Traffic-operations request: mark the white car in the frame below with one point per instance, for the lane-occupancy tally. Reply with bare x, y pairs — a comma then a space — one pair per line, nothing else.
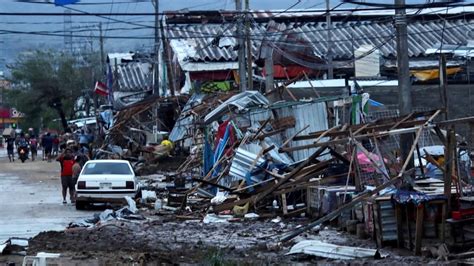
105, 181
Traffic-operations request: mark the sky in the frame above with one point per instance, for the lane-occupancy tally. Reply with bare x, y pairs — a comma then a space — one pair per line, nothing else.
12, 44
87, 26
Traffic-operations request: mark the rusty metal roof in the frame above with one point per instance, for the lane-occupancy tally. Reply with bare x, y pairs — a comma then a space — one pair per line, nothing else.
209, 41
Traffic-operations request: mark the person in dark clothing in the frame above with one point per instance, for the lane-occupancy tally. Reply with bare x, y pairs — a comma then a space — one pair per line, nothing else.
23, 144
47, 143
66, 159
33, 147
11, 148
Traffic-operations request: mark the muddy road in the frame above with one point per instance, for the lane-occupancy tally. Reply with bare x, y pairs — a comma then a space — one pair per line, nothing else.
31, 206
30, 199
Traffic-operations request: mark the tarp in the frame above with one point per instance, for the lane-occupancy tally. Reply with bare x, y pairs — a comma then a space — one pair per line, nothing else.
417, 198
331, 251
429, 74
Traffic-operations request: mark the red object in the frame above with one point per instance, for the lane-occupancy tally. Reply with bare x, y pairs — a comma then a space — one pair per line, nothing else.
5, 113
282, 72
66, 169
462, 213
221, 132
101, 89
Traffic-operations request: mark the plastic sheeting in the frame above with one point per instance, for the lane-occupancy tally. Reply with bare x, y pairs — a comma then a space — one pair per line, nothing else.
331, 251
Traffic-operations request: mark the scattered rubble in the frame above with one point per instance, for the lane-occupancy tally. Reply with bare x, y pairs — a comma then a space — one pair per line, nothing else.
259, 177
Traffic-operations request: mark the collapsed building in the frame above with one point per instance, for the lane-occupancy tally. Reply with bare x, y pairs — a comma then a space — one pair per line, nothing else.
328, 150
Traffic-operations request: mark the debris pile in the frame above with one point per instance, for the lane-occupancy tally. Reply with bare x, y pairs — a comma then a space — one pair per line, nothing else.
325, 160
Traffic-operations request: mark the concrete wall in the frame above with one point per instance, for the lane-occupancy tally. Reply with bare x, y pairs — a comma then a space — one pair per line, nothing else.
460, 102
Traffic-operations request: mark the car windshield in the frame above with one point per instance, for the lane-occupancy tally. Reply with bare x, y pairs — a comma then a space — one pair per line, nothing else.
110, 168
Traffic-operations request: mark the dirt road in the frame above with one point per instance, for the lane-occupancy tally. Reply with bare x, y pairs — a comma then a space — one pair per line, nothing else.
30, 199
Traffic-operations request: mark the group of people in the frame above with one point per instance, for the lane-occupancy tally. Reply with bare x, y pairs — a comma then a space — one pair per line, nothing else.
29, 142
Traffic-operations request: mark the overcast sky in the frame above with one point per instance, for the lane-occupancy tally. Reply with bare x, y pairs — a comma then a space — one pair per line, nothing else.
12, 44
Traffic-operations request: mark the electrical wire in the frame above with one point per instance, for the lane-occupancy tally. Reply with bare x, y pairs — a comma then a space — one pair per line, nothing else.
82, 4
235, 12
200, 35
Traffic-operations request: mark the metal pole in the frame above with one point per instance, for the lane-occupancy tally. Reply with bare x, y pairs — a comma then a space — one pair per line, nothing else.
101, 40
156, 71
248, 46
443, 83
241, 54
328, 41
404, 83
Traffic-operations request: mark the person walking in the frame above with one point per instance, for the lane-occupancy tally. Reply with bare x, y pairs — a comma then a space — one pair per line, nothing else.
33, 147
47, 143
11, 148
55, 146
66, 160
76, 170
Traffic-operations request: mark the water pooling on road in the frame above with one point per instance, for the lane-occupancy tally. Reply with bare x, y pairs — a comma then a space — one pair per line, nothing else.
30, 199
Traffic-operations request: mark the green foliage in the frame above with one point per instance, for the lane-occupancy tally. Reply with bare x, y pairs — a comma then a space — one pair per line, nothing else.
43, 77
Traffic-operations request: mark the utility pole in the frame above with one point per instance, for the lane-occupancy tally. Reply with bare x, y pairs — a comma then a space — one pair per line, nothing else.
241, 54
101, 41
404, 83
68, 31
156, 69
248, 46
328, 41
443, 82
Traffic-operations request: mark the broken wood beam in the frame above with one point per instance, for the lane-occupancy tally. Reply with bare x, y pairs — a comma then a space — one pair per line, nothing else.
346, 140
293, 136
360, 198
257, 197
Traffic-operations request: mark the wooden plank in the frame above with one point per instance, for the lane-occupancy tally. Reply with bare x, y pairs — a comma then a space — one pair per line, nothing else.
253, 185
284, 207
361, 197
419, 229
283, 149
258, 197
293, 136
398, 215
261, 128
443, 223
366, 128
449, 165
451, 122
294, 172
271, 133
358, 137
402, 121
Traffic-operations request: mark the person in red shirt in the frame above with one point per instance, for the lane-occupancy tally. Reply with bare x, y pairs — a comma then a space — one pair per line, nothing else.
66, 160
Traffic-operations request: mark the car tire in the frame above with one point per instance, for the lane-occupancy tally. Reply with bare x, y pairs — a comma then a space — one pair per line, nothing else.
80, 205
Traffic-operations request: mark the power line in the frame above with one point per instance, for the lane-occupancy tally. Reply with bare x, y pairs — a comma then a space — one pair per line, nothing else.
82, 4
206, 36
84, 13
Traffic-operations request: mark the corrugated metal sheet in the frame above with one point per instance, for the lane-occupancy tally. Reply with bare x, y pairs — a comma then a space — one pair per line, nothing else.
346, 36
135, 76
312, 114
185, 120
331, 251
238, 103
242, 163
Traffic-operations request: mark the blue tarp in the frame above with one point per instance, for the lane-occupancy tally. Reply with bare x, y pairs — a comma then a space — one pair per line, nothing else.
417, 198
65, 2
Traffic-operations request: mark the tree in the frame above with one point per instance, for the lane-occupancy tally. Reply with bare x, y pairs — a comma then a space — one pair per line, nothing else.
47, 81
